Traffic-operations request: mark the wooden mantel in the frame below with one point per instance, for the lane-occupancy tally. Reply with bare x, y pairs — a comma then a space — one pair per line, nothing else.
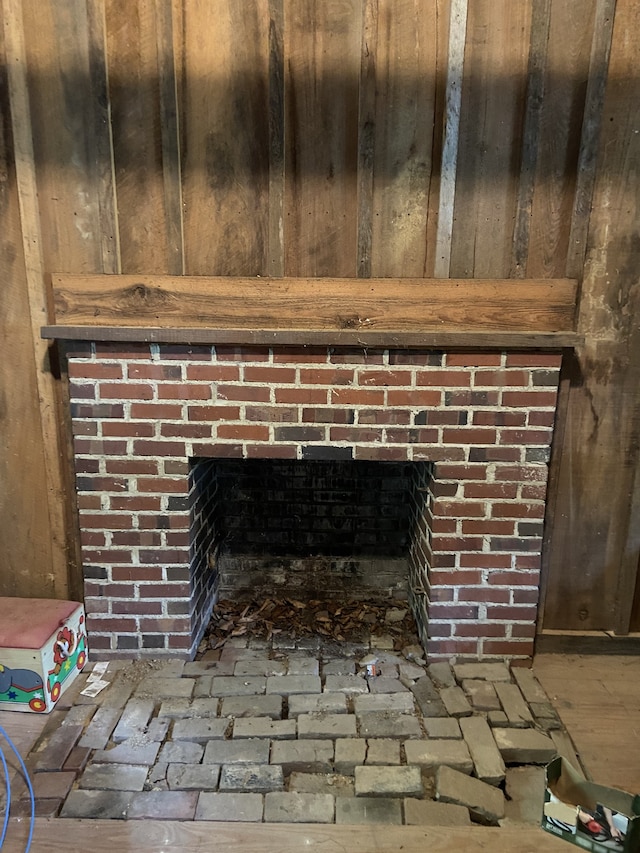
395, 312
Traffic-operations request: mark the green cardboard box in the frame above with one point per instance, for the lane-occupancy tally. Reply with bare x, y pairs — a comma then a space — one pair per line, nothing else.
588, 815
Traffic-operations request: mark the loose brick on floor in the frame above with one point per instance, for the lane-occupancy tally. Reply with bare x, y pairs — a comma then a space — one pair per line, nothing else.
428, 698
244, 751
374, 724
363, 810
442, 727
288, 685
115, 777
290, 807
441, 674
165, 688
349, 684
309, 756
264, 727
349, 753
401, 703
383, 751
163, 805
181, 752
303, 666
137, 713
204, 707
252, 706
259, 666
431, 754
56, 784
388, 782
78, 759
524, 746
193, 777
456, 702
485, 671
525, 794
386, 685
112, 805
43, 808
340, 666
529, 685
58, 748
231, 685
233, 807
482, 694
514, 706
321, 783
488, 763
485, 802
200, 730
326, 725
331, 703
128, 752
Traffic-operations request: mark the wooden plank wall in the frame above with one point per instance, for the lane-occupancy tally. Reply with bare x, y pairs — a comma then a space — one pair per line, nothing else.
330, 138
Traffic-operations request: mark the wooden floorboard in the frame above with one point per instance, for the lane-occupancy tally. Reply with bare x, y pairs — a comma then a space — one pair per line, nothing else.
598, 699
60, 836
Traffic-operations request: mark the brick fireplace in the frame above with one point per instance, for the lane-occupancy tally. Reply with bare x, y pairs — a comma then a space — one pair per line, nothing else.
156, 427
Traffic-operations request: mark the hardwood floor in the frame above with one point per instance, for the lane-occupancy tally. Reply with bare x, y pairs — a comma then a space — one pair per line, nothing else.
598, 699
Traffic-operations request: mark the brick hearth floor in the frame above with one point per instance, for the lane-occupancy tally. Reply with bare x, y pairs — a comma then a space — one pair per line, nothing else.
292, 732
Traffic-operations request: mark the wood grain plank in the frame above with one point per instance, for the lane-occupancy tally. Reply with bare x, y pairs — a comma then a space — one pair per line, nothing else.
33, 509
451, 137
540, 20
494, 86
149, 836
567, 67
322, 61
594, 553
132, 54
276, 138
225, 114
366, 134
404, 131
272, 303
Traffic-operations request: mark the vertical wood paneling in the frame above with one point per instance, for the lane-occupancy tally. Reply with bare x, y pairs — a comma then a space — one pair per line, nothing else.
226, 137
594, 550
404, 131
561, 110
134, 94
493, 97
322, 50
33, 496
276, 138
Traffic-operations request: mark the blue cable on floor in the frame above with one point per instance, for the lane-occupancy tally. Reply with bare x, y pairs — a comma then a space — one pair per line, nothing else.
29, 786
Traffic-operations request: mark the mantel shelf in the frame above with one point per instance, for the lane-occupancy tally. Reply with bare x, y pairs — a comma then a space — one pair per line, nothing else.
402, 313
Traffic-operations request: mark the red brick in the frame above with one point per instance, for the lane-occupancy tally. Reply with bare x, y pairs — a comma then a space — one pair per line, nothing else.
127, 428
242, 353
354, 434
544, 419
328, 415
92, 538
493, 595
439, 454
441, 594
493, 418
441, 561
265, 451
183, 430
445, 525
439, 629
468, 436
154, 371
123, 391
84, 428
88, 502
103, 624
490, 490
112, 590
185, 352
485, 561
517, 510
270, 375
184, 392
131, 466
86, 483
528, 561
137, 538
300, 355
213, 413
165, 626
524, 613
480, 629
304, 396
455, 471
326, 376
106, 521
147, 608
506, 648
136, 573
463, 399
454, 577
164, 590
444, 378
84, 370
514, 578
444, 649
357, 396
534, 359
460, 509
179, 641
453, 611
221, 451
529, 399
253, 394
122, 351
272, 414
525, 596
416, 435
242, 432
521, 473
156, 411
159, 448
473, 359
528, 492
523, 631
495, 454
99, 447
87, 466
82, 391
456, 543
384, 377
417, 397
503, 378
106, 555
178, 539
388, 454
163, 484
435, 417
213, 372
137, 503
487, 528
526, 437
